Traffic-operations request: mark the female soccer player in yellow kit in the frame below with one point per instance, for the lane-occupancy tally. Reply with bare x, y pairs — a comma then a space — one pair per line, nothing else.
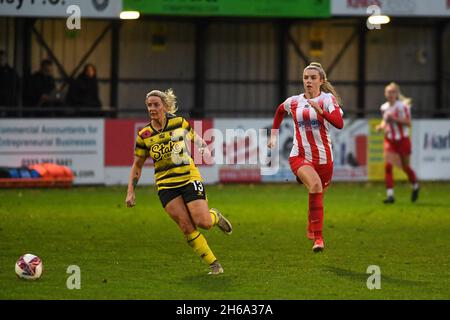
179, 183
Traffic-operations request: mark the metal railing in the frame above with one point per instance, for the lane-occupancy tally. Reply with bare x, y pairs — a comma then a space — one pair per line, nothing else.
71, 112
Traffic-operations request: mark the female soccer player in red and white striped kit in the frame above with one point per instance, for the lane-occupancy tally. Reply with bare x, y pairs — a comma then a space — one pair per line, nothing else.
396, 123
311, 157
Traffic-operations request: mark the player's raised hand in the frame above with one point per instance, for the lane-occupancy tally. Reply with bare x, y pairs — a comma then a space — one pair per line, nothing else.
316, 106
206, 154
204, 151
380, 127
130, 200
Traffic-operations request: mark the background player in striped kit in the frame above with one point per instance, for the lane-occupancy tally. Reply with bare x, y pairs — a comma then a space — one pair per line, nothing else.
311, 157
396, 123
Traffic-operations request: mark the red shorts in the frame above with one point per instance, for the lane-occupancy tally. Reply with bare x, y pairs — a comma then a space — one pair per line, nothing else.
402, 147
325, 171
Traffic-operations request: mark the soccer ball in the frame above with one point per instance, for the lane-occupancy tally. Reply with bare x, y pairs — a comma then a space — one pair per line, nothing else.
29, 267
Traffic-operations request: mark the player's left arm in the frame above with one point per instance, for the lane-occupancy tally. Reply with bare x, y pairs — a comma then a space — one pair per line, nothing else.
141, 153
330, 110
404, 120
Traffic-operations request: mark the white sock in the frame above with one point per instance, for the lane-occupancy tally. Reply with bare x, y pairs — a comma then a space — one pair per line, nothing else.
390, 192
415, 186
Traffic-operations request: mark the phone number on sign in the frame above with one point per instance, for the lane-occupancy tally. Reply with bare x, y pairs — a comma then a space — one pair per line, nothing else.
60, 161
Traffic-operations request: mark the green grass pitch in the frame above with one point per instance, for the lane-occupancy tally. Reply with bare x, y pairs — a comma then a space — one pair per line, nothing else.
139, 253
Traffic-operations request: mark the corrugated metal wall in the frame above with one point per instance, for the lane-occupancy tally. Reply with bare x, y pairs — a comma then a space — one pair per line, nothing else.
333, 36
240, 69
446, 70
241, 61
402, 54
7, 38
156, 55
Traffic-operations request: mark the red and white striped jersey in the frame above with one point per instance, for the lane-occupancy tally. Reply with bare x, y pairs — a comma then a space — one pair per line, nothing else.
311, 131
394, 130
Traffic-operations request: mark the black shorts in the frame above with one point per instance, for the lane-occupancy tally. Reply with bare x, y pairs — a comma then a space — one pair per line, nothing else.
190, 192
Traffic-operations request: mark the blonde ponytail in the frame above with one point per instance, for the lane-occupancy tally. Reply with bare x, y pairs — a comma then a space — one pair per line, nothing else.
168, 98
326, 86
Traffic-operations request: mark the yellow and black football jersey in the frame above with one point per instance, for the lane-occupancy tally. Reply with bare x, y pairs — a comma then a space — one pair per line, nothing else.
168, 148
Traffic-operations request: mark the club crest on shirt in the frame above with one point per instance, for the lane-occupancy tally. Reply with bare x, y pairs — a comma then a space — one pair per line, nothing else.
146, 134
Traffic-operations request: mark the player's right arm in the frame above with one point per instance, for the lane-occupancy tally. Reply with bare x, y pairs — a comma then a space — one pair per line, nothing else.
135, 175
382, 125
279, 115
141, 153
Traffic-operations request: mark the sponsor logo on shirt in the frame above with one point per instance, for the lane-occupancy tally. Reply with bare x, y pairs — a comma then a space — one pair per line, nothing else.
309, 124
